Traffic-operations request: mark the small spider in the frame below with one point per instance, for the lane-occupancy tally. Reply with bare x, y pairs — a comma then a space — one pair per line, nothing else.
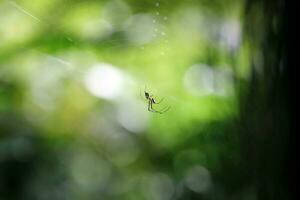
151, 100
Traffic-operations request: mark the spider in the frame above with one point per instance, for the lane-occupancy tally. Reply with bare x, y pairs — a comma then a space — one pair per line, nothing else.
151, 100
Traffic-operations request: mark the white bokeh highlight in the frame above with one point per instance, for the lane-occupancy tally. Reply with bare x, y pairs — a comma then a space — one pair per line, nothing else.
104, 81
198, 179
202, 80
132, 115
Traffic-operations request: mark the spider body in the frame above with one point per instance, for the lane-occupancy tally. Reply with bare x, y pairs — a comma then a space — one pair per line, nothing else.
147, 95
151, 100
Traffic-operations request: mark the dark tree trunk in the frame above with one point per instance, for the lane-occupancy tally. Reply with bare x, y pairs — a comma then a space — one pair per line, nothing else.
265, 105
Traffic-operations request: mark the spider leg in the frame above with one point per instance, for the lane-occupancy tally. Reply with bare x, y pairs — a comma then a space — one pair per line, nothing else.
155, 111
165, 109
149, 105
159, 101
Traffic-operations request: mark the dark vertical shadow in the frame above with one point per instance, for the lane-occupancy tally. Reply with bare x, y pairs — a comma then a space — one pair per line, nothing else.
265, 104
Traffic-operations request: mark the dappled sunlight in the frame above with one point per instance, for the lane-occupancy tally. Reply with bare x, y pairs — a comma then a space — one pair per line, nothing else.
104, 81
201, 80
230, 35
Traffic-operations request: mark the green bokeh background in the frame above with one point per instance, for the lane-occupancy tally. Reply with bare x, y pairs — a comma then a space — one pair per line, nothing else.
59, 140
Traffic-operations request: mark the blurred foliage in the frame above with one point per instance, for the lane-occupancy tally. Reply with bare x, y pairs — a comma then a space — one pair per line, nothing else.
73, 118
